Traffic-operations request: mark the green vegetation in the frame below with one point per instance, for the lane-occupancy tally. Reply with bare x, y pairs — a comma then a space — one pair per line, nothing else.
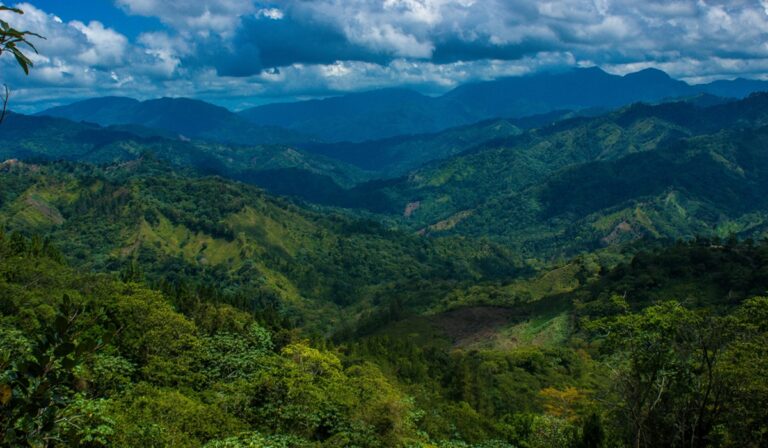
596, 283
236, 243
199, 312
91, 360
13, 41
48, 138
586, 183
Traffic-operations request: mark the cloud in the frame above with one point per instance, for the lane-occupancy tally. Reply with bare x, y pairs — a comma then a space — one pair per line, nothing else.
201, 17
244, 38
237, 52
77, 59
106, 47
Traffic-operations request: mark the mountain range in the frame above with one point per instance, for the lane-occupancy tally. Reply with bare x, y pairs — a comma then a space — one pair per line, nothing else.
182, 117
386, 113
587, 182
49, 138
549, 185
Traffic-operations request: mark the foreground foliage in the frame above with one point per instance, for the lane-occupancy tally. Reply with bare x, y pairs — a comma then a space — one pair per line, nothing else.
93, 360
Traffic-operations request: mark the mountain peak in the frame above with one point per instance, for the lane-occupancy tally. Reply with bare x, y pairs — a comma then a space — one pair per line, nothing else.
649, 74
594, 70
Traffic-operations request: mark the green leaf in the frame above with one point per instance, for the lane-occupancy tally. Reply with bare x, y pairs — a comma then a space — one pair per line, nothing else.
68, 363
64, 349
61, 324
8, 8
86, 346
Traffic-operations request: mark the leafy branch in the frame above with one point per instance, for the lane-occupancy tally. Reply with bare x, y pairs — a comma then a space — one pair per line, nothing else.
12, 41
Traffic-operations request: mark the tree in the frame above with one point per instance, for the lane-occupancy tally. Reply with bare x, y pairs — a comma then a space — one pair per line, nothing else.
12, 41
37, 387
679, 371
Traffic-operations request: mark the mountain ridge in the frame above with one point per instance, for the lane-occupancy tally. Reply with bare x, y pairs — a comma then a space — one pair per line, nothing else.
187, 117
389, 112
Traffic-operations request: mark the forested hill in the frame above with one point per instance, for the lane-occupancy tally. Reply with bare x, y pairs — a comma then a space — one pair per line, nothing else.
91, 360
146, 304
48, 138
587, 182
183, 231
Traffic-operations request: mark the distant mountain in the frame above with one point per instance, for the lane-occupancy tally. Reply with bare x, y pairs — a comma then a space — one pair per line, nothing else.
576, 89
363, 116
182, 116
737, 88
396, 156
382, 114
51, 138
105, 111
388, 113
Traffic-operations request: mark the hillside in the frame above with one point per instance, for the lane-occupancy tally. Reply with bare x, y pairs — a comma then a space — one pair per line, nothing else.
48, 138
397, 156
89, 359
589, 342
181, 116
209, 231
623, 175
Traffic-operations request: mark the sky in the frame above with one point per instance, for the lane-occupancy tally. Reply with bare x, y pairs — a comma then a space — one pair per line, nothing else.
241, 53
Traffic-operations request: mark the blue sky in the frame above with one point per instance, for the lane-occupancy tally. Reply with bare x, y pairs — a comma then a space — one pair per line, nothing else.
240, 53
104, 11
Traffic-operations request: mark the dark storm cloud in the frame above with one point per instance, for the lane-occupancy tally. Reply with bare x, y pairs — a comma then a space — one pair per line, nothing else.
262, 43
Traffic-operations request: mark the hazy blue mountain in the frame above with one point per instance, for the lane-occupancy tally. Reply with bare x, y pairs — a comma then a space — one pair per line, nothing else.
382, 114
575, 89
396, 156
363, 116
104, 111
182, 116
737, 88
387, 113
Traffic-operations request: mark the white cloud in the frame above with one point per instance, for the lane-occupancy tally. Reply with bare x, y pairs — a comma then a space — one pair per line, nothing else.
271, 13
106, 46
75, 58
430, 44
193, 16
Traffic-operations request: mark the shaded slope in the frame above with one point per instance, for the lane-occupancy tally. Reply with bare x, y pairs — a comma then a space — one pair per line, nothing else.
183, 116
33, 137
